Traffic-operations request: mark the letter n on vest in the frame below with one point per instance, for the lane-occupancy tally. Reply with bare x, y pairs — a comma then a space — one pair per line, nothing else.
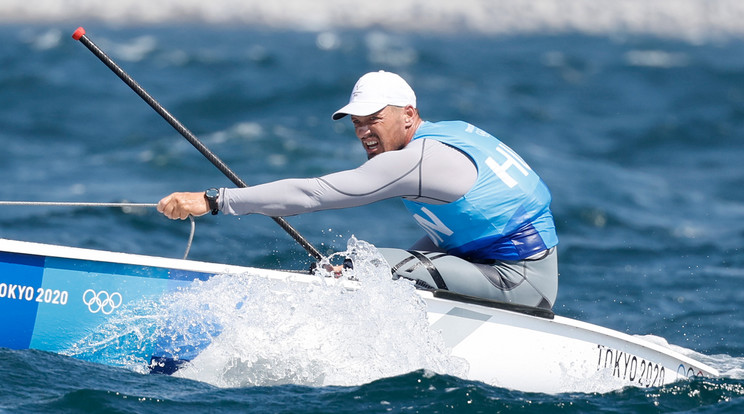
433, 227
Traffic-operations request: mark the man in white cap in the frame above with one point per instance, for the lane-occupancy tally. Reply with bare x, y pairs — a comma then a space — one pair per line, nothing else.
486, 213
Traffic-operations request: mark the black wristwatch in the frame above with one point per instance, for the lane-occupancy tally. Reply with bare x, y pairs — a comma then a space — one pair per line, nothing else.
211, 196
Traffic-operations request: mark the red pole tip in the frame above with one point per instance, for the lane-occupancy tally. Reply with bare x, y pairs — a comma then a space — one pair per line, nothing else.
78, 33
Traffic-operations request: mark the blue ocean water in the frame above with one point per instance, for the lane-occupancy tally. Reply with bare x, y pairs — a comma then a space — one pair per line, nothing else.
638, 136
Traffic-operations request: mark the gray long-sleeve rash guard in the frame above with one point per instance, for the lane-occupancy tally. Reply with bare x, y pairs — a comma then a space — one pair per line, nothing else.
425, 170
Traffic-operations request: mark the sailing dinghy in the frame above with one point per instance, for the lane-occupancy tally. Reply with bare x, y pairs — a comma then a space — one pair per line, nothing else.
54, 298
58, 298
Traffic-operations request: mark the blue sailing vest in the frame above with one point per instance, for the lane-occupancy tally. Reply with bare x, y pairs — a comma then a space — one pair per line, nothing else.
505, 215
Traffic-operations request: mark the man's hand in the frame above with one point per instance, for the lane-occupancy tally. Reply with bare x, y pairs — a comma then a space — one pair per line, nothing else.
336, 270
181, 205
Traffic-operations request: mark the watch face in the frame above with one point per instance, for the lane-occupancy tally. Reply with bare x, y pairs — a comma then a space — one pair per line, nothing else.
211, 196
212, 193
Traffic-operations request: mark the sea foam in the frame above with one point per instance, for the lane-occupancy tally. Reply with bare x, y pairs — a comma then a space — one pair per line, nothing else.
245, 330
689, 19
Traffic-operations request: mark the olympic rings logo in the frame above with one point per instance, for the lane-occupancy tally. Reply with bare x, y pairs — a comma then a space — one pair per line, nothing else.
102, 301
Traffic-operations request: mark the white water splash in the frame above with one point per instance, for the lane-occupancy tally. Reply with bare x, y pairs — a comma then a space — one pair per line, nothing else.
728, 366
278, 332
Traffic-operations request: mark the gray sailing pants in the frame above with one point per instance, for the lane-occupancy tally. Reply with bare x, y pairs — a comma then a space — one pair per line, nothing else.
531, 282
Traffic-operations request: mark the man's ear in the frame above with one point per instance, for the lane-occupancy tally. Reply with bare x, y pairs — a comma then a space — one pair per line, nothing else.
410, 113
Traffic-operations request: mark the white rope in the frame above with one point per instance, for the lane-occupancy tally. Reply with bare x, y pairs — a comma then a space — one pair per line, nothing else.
121, 205
68, 204
191, 237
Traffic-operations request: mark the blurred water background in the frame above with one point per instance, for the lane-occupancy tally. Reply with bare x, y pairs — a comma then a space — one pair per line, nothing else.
631, 111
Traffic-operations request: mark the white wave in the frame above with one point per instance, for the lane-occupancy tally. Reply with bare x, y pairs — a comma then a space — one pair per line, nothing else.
259, 331
728, 366
689, 19
275, 332
655, 58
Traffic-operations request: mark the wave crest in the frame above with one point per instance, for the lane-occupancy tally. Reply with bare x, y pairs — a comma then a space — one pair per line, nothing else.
689, 19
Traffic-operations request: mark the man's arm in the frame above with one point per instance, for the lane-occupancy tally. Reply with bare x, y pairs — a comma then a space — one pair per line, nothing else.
425, 170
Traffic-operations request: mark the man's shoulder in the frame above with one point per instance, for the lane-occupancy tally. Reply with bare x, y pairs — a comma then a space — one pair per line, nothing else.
441, 130
429, 126
454, 133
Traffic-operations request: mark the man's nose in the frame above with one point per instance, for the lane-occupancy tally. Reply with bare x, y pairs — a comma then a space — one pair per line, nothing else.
362, 131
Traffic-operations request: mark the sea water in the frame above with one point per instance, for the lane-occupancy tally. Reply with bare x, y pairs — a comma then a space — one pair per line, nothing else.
631, 112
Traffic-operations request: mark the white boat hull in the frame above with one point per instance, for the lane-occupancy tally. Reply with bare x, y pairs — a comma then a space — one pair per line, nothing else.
502, 347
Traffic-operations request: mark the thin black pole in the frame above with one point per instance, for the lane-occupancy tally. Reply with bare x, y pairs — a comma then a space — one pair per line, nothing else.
80, 35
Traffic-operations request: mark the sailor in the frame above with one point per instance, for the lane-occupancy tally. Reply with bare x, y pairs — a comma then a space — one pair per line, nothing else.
486, 213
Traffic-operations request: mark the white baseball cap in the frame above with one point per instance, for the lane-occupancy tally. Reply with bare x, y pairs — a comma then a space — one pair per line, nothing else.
374, 91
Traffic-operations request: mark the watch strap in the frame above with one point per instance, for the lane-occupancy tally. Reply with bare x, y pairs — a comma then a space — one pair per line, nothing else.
211, 196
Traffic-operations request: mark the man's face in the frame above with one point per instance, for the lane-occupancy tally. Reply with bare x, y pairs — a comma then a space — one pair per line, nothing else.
382, 131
